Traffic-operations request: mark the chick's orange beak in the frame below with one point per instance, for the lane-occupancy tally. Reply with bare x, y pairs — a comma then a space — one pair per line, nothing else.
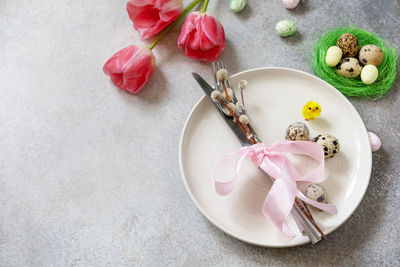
313, 109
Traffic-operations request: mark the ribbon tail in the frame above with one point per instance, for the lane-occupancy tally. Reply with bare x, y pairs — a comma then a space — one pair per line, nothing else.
306, 148
224, 188
330, 208
280, 200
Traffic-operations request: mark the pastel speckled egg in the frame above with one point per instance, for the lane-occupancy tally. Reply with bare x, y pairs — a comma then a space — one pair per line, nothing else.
349, 44
371, 54
290, 4
317, 193
329, 143
349, 67
237, 5
333, 56
285, 27
297, 131
369, 74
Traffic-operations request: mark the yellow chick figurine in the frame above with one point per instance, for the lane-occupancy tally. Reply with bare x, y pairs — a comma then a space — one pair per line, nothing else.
311, 110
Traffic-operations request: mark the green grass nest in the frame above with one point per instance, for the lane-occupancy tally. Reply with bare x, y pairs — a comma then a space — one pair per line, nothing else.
355, 87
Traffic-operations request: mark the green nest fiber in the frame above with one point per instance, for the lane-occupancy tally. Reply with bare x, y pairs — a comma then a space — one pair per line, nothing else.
355, 87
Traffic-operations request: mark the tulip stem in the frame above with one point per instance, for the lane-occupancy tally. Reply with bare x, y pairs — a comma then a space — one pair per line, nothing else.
205, 6
185, 11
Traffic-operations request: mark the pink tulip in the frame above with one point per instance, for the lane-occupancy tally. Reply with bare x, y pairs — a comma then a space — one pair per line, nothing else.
131, 68
202, 36
149, 17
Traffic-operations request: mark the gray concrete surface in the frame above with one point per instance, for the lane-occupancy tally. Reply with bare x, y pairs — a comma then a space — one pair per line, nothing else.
89, 175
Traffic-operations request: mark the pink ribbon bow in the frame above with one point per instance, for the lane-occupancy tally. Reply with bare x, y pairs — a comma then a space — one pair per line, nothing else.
280, 199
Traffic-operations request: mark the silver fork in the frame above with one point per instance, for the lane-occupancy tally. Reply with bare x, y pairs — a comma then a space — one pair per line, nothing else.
217, 65
305, 225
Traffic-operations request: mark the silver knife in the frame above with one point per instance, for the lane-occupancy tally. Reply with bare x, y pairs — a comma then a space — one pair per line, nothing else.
308, 227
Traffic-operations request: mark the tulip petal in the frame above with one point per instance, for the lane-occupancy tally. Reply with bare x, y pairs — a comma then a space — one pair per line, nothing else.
141, 2
170, 10
149, 17
188, 27
210, 28
131, 68
213, 29
202, 36
117, 79
205, 43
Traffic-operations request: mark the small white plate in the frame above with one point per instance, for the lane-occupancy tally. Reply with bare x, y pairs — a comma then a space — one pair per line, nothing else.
274, 99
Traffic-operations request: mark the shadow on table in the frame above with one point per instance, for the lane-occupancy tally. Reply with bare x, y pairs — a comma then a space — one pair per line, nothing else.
154, 91
294, 39
301, 9
351, 236
245, 14
231, 58
346, 241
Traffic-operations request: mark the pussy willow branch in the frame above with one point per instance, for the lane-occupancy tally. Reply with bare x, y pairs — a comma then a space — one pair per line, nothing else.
245, 130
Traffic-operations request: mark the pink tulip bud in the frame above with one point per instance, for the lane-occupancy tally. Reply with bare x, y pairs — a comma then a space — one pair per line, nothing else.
202, 36
131, 68
149, 17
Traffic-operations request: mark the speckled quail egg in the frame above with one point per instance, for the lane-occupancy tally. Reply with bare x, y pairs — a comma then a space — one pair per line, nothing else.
329, 143
369, 74
349, 44
317, 193
371, 54
333, 56
349, 67
297, 131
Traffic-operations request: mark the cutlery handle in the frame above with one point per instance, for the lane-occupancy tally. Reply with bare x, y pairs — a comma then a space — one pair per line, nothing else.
308, 227
311, 231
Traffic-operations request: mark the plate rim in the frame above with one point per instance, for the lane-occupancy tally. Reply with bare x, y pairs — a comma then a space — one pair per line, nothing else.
227, 231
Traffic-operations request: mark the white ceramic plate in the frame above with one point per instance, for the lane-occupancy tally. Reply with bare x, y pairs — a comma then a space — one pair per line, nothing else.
274, 99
